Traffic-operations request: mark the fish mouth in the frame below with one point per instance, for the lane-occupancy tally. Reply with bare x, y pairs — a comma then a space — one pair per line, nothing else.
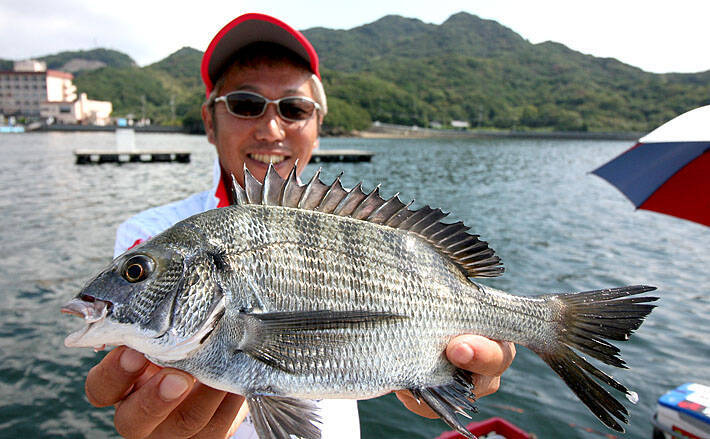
92, 310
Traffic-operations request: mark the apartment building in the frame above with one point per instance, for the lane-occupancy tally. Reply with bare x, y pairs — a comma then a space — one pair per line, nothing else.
32, 91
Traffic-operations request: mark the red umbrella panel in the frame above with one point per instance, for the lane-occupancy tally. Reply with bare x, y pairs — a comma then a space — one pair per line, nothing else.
666, 177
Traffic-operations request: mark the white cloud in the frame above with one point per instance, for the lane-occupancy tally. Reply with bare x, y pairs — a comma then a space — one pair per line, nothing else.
653, 35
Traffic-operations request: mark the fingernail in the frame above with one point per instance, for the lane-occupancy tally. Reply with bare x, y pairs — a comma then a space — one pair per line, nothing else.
172, 386
132, 361
462, 353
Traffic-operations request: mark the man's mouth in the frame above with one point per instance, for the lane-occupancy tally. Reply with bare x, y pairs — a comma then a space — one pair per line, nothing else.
267, 158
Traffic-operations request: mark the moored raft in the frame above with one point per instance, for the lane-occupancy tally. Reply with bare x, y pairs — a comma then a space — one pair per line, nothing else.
90, 156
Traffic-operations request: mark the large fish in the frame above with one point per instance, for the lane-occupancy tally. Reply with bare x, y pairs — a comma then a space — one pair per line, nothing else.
303, 292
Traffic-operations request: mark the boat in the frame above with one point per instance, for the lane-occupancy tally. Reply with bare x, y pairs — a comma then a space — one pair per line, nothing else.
491, 428
683, 412
12, 129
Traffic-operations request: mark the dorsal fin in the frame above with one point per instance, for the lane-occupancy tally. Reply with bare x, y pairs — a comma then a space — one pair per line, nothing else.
470, 254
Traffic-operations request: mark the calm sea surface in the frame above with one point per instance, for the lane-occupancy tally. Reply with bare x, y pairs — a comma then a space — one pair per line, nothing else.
556, 227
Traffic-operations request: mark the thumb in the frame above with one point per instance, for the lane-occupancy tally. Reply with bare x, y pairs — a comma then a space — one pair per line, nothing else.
480, 355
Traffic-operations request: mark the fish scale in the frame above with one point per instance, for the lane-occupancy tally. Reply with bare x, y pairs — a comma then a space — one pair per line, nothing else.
313, 291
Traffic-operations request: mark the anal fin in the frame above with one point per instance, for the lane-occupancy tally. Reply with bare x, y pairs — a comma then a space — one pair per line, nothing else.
452, 399
277, 417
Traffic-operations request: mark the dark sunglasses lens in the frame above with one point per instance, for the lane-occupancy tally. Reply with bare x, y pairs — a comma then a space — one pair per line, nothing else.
245, 104
296, 108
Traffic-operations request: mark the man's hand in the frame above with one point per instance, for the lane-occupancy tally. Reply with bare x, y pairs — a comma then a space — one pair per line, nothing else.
487, 359
152, 402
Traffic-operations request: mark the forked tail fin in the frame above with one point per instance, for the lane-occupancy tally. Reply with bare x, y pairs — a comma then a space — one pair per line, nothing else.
585, 321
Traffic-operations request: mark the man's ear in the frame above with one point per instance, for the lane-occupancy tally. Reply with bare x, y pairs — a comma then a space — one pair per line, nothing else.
208, 121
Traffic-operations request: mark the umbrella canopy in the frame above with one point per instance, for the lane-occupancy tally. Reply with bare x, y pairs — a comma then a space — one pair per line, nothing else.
668, 170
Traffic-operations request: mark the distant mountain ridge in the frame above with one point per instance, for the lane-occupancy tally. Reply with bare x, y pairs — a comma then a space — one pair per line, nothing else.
402, 70
396, 36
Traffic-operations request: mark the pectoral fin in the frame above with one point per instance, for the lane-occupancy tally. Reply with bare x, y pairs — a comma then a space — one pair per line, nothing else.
279, 417
277, 338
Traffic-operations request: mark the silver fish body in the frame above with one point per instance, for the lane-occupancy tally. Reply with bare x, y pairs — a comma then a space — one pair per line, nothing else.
311, 291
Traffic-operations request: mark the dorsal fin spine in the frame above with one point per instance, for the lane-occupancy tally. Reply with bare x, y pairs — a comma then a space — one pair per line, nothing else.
335, 186
428, 221
339, 209
266, 186
482, 262
238, 193
394, 198
475, 246
364, 203
309, 188
289, 188
415, 217
390, 221
455, 238
330, 194
450, 228
252, 187
475, 257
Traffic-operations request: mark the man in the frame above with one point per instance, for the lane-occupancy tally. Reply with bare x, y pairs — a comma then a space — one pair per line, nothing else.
265, 103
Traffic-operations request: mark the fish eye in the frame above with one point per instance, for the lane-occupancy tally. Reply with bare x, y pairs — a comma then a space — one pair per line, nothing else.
137, 268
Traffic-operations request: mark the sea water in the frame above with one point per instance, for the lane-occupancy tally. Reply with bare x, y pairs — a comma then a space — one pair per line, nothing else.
556, 227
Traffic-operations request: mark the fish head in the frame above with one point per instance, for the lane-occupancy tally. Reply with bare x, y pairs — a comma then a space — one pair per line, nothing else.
131, 301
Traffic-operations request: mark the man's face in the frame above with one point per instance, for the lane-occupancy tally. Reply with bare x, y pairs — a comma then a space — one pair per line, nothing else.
269, 138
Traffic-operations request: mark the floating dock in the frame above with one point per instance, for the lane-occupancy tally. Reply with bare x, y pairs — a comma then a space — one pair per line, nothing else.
99, 156
341, 155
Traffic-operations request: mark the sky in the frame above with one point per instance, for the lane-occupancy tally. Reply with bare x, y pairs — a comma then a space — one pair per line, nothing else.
656, 36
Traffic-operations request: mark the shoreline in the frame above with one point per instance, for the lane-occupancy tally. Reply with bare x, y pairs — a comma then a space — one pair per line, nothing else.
385, 132
564, 135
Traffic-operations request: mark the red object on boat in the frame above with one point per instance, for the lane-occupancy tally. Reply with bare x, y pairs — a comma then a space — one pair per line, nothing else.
499, 425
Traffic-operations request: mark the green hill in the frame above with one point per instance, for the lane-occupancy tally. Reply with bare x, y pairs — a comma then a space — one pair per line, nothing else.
481, 72
81, 60
404, 71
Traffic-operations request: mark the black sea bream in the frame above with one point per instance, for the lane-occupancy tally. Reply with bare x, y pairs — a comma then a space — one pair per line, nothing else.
301, 292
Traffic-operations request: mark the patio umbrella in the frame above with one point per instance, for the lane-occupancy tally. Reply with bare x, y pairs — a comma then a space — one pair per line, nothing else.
668, 170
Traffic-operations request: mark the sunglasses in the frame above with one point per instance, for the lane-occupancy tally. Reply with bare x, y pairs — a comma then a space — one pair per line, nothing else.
248, 105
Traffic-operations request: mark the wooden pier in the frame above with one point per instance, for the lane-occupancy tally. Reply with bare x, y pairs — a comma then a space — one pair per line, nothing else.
341, 155
99, 156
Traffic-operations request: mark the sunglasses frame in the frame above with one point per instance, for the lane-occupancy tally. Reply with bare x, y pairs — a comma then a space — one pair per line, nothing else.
267, 101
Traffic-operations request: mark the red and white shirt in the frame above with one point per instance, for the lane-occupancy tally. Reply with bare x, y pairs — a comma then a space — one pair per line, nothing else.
339, 416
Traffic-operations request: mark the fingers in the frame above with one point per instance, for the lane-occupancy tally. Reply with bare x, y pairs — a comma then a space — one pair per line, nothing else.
141, 412
221, 423
158, 403
409, 401
192, 415
480, 355
485, 385
113, 377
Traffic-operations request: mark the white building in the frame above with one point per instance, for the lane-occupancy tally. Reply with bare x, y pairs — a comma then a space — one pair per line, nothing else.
460, 124
81, 110
31, 90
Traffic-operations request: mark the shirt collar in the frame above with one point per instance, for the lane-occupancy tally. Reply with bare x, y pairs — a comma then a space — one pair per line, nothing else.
220, 196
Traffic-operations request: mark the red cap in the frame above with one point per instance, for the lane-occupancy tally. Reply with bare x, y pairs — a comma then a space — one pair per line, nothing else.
252, 28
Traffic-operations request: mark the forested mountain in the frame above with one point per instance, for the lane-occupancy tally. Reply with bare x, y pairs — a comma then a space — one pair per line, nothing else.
405, 71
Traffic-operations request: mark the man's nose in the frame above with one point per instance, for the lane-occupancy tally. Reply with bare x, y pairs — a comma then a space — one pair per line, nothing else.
270, 126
